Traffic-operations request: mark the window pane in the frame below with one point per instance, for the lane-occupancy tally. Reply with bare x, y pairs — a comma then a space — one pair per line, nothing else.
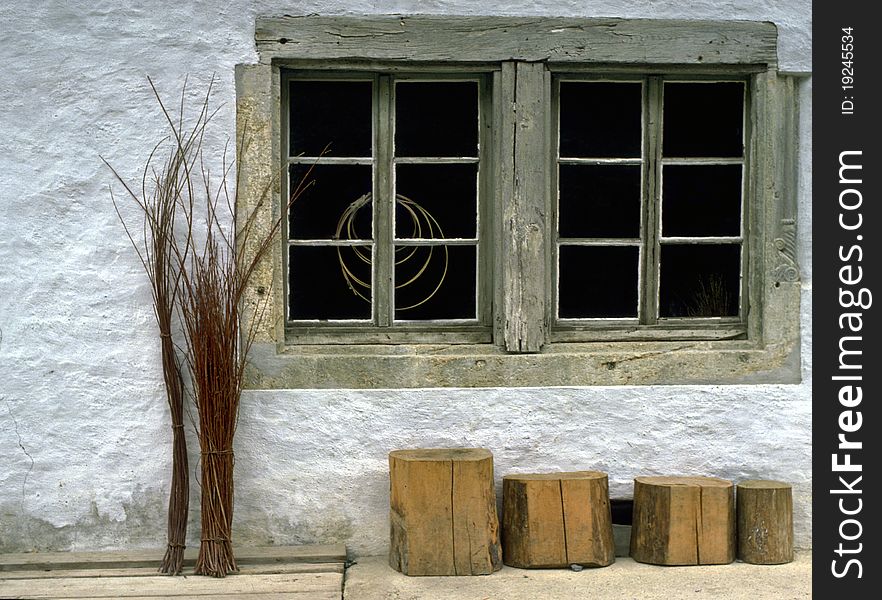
599, 201
600, 120
598, 281
338, 113
331, 203
439, 201
699, 280
703, 119
435, 282
329, 282
436, 118
701, 200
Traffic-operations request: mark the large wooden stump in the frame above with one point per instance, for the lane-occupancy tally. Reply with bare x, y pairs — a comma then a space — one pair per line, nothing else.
556, 520
683, 521
443, 512
765, 522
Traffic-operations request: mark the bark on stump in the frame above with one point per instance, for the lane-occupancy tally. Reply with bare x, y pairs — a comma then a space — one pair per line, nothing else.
765, 522
683, 521
443, 512
556, 520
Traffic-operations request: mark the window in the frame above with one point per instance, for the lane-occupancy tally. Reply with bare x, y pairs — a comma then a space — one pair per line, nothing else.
412, 257
650, 203
514, 201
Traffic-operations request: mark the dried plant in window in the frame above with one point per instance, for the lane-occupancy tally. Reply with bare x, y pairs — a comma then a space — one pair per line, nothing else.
711, 298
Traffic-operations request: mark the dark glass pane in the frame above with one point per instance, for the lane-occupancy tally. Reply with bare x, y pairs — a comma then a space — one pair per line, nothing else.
701, 200
330, 203
323, 281
338, 113
598, 281
600, 120
699, 280
442, 197
436, 118
435, 282
703, 119
599, 201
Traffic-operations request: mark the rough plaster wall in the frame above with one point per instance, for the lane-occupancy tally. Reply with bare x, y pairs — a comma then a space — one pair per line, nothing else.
84, 434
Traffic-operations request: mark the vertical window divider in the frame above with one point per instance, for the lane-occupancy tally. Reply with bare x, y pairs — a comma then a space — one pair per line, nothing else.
384, 201
285, 185
553, 227
485, 229
746, 194
502, 85
652, 185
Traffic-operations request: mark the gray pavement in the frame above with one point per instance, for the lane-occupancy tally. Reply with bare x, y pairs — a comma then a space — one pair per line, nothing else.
372, 579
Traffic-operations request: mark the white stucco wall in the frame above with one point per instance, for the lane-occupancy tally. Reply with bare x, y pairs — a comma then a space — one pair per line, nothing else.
84, 431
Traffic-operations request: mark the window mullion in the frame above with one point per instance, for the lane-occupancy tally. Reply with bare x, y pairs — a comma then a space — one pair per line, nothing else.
486, 187
384, 191
651, 227
285, 170
524, 126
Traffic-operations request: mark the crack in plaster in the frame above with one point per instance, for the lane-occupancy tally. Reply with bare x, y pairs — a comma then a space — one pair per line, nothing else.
21, 445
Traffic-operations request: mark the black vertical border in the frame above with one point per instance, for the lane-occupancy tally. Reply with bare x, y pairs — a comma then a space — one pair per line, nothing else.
835, 130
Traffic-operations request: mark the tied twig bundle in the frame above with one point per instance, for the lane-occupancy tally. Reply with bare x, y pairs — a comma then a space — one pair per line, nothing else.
210, 273
158, 200
212, 287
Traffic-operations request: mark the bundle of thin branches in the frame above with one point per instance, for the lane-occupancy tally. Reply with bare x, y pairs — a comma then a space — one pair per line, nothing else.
211, 270
159, 197
215, 270
214, 281
210, 313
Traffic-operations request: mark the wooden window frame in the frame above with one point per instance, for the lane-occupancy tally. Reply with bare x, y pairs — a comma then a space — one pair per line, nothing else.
649, 324
523, 344
383, 328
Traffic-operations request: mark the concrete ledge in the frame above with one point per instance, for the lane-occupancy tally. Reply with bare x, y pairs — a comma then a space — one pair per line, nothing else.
372, 579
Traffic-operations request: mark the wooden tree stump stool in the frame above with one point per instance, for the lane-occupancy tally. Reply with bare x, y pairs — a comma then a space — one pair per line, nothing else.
556, 520
765, 522
443, 512
683, 521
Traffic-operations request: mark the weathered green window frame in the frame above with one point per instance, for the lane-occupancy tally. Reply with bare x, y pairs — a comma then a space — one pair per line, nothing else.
520, 56
386, 329
648, 325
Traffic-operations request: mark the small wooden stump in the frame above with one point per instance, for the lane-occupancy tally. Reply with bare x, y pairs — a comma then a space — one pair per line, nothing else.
765, 522
683, 521
443, 512
556, 520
